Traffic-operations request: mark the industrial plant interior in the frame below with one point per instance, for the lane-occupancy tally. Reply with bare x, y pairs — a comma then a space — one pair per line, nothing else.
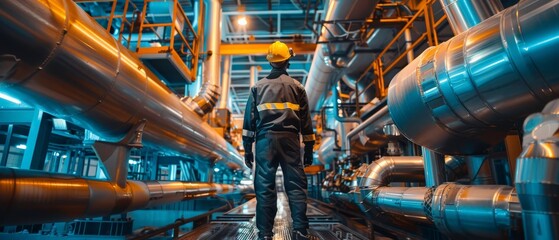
434, 119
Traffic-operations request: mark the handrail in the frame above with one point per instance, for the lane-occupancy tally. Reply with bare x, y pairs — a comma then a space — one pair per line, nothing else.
425, 10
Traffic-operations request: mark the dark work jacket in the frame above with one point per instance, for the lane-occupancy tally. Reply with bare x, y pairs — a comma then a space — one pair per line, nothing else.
277, 103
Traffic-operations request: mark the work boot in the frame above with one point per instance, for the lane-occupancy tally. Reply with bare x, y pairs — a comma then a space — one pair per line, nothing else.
300, 235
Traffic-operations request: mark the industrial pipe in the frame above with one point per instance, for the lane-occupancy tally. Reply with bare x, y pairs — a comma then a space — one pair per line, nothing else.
479, 170
392, 169
458, 211
467, 92
323, 71
464, 14
473, 212
207, 99
31, 197
434, 167
225, 82
374, 124
537, 176
54, 56
405, 201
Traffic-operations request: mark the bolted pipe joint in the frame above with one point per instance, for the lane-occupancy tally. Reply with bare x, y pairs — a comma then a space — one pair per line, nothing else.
537, 175
467, 212
205, 101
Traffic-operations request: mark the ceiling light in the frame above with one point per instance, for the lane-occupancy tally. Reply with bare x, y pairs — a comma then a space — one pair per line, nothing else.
242, 21
21, 146
11, 99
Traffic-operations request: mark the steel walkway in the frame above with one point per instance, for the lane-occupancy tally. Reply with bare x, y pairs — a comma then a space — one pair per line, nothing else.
239, 224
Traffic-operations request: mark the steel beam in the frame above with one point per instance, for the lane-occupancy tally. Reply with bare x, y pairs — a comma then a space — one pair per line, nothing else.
262, 48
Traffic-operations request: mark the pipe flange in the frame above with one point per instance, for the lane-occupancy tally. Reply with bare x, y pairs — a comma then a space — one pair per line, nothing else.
428, 202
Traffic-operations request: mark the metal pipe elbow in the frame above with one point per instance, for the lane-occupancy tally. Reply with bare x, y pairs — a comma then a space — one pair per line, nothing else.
387, 169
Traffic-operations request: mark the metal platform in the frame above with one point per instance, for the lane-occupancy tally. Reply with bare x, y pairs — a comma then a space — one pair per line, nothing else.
239, 224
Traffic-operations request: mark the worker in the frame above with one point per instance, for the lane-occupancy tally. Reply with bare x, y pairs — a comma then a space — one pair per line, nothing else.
276, 116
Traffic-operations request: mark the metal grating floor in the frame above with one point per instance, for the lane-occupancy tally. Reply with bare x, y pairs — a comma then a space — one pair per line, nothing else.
238, 224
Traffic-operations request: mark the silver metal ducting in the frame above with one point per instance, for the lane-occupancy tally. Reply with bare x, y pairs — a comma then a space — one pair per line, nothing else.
54, 56
323, 70
467, 92
458, 211
464, 14
537, 176
455, 168
30, 197
207, 99
370, 135
393, 169
405, 201
473, 212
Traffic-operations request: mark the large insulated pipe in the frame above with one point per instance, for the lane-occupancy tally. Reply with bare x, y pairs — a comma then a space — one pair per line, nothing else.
225, 82
323, 72
473, 212
464, 14
31, 197
208, 96
467, 92
458, 211
54, 56
537, 175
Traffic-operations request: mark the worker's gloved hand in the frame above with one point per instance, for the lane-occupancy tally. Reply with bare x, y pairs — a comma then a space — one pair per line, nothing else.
249, 159
308, 156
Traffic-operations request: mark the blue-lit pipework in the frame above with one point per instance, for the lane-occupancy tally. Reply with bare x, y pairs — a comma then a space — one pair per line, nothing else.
462, 96
59, 59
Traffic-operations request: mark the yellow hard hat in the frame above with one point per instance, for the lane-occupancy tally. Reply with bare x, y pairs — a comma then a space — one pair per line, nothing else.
278, 52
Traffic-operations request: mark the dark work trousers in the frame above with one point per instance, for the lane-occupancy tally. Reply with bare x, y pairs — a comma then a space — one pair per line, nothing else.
273, 149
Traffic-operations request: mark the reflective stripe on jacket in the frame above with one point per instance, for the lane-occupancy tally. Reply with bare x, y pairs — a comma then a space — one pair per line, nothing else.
278, 104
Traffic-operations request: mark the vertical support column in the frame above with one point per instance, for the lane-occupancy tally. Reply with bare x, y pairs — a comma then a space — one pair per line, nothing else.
37, 141
68, 162
409, 41
430, 25
253, 75
80, 160
225, 82
55, 163
514, 148
7, 145
172, 172
154, 166
434, 167
479, 170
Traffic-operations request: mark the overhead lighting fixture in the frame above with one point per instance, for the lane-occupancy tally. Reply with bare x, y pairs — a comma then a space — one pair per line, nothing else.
216, 169
21, 146
242, 21
59, 124
11, 99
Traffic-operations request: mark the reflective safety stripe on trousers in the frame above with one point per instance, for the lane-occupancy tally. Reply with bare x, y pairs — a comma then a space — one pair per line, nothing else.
278, 106
247, 133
